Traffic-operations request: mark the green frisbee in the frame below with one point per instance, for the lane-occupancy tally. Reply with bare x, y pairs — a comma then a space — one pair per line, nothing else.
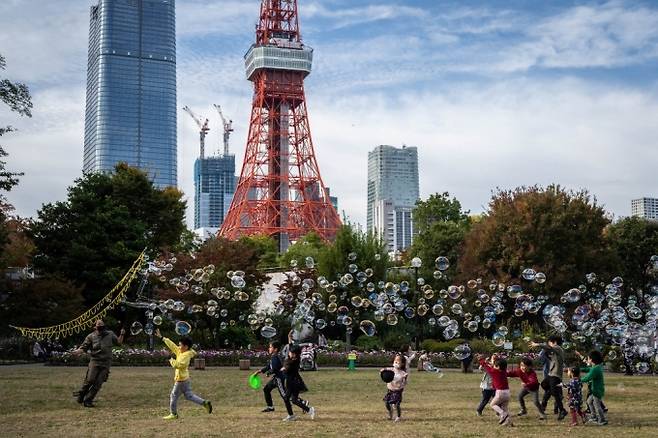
254, 381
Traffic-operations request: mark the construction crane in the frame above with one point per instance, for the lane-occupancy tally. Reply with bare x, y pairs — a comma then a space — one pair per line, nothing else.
203, 128
228, 128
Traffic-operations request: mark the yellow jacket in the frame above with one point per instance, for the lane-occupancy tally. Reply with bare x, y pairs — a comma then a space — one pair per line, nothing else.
181, 362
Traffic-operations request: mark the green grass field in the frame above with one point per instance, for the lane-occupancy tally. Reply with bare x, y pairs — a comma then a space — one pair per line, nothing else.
37, 401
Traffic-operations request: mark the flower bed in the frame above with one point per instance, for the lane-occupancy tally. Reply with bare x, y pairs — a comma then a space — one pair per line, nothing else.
140, 357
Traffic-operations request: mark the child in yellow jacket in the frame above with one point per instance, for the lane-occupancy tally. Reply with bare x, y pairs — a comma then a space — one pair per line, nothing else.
182, 385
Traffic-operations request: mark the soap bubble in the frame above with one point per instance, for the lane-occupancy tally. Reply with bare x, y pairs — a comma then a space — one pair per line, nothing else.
612, 355
617, 282
461, 352
514, 290
540, 278
416, 262
310, 263
472, 284
572, 295
157, 320
427, 366
136, 328
498, 339
183, 328
391, 319
351, 256
357, 301
238, 282
442, 263
529, 274
320, 324
268, 332
368, 327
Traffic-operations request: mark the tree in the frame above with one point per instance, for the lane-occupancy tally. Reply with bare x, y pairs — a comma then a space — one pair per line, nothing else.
40, 302
552, 230
310, 245
264, 247
441, 226
633, 241
17, 97
107, 220
368, 249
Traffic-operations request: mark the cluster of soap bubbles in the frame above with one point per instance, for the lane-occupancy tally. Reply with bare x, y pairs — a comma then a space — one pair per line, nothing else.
595, 310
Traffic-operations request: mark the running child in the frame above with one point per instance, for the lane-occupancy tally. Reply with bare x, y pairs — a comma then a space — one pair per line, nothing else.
183, 353
575, 394
500, 402
595, 376
486, 385
272, 368
393, 398
294, 385
527, 374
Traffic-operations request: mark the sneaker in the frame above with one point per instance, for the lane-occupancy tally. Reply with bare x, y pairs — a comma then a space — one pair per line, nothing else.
592, 421
268, 409
542, 416
522, 413
479, 413
311, 412
562, 415
207, 405
503, 418
171, 417
602, 423
397, 419
290, 418
88, 404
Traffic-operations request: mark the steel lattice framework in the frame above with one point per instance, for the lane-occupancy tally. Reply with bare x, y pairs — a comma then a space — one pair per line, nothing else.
280, 191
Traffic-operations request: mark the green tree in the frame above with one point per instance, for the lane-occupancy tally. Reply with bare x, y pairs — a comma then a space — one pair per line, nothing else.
107, 220
441, 225
265, 249
17, 97
369, 250
310, 245
552, 230
633, 241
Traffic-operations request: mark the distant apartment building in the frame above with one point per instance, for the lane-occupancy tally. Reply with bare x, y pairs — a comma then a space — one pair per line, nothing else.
646, 208
393, 190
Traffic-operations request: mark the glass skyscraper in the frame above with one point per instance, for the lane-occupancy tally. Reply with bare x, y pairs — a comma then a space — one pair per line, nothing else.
214, 187
131, 88
393, 190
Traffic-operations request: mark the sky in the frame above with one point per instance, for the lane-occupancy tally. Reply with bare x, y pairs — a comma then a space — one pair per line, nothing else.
495, 94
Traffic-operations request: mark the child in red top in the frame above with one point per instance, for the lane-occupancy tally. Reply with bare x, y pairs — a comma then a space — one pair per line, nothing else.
527, 374
500, 402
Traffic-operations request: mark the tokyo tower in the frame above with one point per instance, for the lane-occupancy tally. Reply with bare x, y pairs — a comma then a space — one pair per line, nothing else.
280, 192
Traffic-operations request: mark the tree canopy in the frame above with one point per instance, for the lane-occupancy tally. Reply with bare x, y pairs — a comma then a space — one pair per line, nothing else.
107, 220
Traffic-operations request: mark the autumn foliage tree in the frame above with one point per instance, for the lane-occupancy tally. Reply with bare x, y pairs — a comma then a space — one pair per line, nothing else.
553, 230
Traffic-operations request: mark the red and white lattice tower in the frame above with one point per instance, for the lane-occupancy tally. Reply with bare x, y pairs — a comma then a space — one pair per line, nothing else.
280, 192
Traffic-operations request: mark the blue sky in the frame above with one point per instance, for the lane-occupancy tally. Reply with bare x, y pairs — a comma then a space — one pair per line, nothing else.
494, 93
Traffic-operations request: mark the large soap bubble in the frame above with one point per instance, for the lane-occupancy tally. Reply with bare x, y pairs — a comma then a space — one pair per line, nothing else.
368, 327
461, 352
183, 328
268, 332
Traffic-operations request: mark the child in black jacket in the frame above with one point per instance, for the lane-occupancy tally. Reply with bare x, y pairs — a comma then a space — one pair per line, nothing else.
272, 368
294, 385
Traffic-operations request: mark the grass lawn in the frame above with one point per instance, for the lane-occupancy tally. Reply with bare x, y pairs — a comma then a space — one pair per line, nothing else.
36, 401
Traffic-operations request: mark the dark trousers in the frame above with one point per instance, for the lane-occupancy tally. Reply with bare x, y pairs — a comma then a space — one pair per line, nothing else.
267, 391
293, 399
535, 399
552, 388
487, 395
96, 376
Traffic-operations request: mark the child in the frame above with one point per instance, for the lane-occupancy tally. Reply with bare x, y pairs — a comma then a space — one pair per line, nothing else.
409, 355
575, 393
487, 391
393, 397
500, 402
595, 376
273, 368
589, 384
530, 386
182, 385
294, 384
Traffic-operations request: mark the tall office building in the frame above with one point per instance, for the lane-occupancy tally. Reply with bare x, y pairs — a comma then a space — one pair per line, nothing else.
214, 186
393, 190
646, 208
131, 88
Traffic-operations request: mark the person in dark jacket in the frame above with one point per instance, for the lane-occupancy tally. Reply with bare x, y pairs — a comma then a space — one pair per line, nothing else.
294, 385
272, 368
99, 345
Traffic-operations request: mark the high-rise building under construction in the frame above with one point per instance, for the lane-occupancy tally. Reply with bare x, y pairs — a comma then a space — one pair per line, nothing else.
131, 88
